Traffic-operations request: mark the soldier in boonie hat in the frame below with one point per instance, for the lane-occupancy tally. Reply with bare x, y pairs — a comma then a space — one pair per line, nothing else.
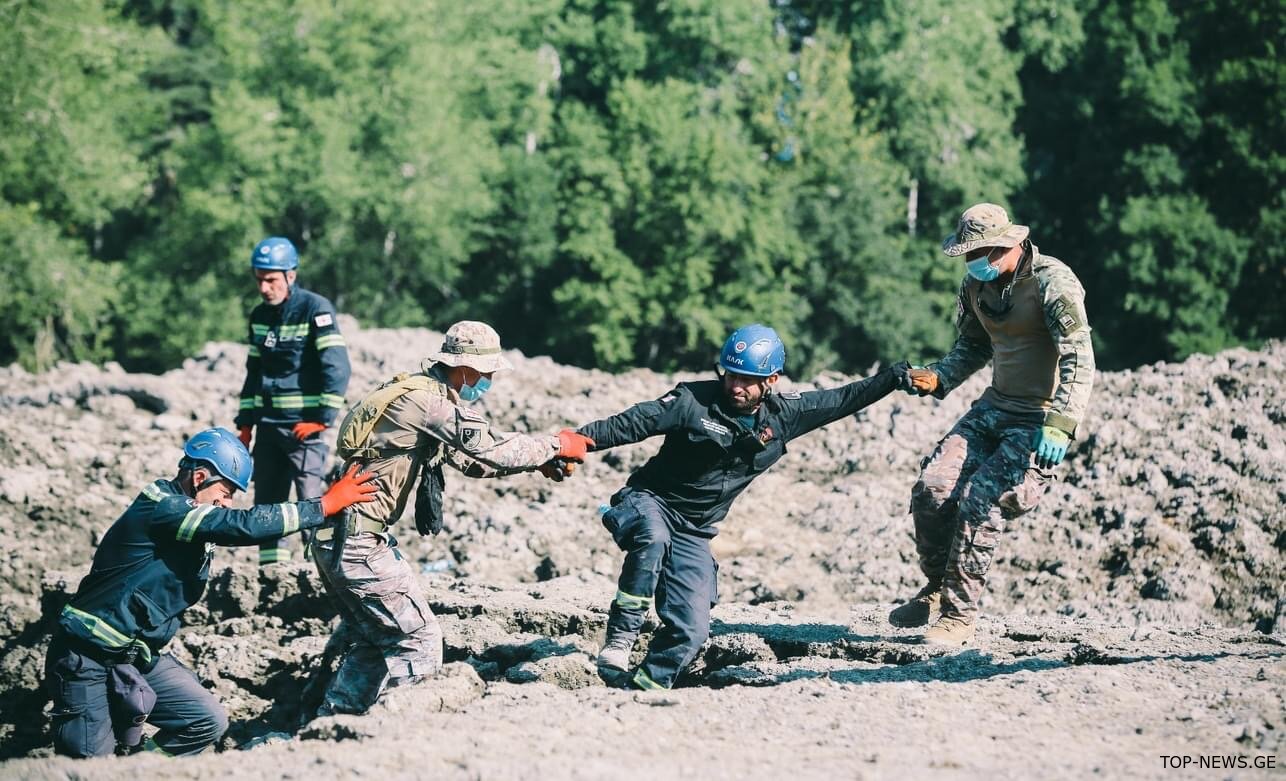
984, 225
1024, 313
406, 431
473, 344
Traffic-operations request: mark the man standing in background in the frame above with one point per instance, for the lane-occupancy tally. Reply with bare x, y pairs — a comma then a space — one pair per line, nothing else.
1025, 312
296, 375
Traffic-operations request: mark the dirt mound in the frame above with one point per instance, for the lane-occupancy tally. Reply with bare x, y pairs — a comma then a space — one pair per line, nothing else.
814, 692
1170, 511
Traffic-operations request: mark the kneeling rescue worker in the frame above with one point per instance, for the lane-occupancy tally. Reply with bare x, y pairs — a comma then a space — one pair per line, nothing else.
105, 670
719, 435
408, 427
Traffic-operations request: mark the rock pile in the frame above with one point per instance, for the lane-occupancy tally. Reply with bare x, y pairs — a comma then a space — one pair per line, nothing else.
1170, 511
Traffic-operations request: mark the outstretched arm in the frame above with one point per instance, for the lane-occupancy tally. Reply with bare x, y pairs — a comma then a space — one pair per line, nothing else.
814, 409
971, 352
182, 519
481, 450
643, 420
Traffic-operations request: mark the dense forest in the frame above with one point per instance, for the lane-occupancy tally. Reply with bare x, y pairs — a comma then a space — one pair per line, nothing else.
618, 183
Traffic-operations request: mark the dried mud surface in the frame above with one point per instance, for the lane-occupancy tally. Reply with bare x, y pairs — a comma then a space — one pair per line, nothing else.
1137, 612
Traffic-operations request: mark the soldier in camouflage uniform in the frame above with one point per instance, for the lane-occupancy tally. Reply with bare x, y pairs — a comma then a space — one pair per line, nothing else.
1024, 312
387, 630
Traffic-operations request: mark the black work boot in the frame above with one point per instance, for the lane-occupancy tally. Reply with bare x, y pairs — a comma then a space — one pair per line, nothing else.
916, 611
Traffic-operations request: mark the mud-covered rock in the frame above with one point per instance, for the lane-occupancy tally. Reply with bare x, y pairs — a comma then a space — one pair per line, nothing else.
456, 687
1161, 549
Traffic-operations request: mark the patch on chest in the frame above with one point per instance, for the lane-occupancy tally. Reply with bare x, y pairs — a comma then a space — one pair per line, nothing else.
270, 341
717, 428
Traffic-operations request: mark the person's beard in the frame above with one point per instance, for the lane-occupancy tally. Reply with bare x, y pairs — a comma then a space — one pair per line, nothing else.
744, 407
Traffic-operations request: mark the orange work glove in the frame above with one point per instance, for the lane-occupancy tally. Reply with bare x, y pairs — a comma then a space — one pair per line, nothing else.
925, 381
353, 488
557, 469
305, 429
573, 445
244, 434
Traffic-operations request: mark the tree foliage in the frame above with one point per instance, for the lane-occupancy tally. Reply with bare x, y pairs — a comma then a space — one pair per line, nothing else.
618, 183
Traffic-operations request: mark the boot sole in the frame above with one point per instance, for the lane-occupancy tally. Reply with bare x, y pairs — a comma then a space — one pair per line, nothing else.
904, 624
946, 643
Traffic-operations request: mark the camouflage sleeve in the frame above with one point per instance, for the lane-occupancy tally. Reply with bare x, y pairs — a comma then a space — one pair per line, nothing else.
1064, 302
470, 467
482, 451
971, 351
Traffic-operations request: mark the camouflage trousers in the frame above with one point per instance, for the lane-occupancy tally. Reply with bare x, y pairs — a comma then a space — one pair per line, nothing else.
390, 634
981, 475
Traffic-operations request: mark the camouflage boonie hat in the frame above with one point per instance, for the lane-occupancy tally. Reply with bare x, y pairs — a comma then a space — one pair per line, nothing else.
474, 344
983, 225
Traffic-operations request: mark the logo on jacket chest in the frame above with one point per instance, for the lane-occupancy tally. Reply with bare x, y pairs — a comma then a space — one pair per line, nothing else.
717, 428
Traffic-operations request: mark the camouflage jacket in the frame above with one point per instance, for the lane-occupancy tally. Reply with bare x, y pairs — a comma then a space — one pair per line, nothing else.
1035, 332
432, 425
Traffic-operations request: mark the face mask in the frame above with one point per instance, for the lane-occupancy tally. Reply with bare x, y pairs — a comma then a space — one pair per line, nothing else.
981, 269
475, 391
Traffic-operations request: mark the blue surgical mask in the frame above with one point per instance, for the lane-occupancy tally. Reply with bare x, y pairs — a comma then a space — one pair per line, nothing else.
981, 269
474, 392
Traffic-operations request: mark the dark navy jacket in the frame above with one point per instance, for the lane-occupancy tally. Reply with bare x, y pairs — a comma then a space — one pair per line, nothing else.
154, 561
708, 458
298, 365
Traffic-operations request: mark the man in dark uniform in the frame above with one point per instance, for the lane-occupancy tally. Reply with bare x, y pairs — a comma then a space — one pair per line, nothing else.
719, 435
152, 565
296, 375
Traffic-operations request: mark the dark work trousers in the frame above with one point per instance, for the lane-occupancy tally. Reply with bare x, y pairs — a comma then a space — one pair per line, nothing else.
280, 461
189, 716
673, 568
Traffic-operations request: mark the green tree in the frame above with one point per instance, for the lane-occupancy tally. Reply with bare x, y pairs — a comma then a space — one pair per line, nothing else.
76, 112
1159, 173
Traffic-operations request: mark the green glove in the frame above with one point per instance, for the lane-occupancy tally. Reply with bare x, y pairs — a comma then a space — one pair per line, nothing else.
1051, 446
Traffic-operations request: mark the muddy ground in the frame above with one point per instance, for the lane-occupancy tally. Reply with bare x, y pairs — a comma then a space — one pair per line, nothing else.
1137, 612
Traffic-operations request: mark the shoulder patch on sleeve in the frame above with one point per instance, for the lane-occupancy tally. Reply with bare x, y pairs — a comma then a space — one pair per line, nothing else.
1063, 313
791, 395
324, 320
471, 434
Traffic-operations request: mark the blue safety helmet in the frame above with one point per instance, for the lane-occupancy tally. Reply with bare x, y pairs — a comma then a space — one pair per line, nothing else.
220, 450
274, 254
755, 350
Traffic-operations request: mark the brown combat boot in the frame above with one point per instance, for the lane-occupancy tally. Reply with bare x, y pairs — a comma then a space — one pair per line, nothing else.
916, 611
949, 630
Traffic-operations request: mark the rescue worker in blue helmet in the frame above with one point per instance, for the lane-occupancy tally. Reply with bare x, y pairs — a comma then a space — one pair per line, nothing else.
719, 434
105, 669
297, 373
